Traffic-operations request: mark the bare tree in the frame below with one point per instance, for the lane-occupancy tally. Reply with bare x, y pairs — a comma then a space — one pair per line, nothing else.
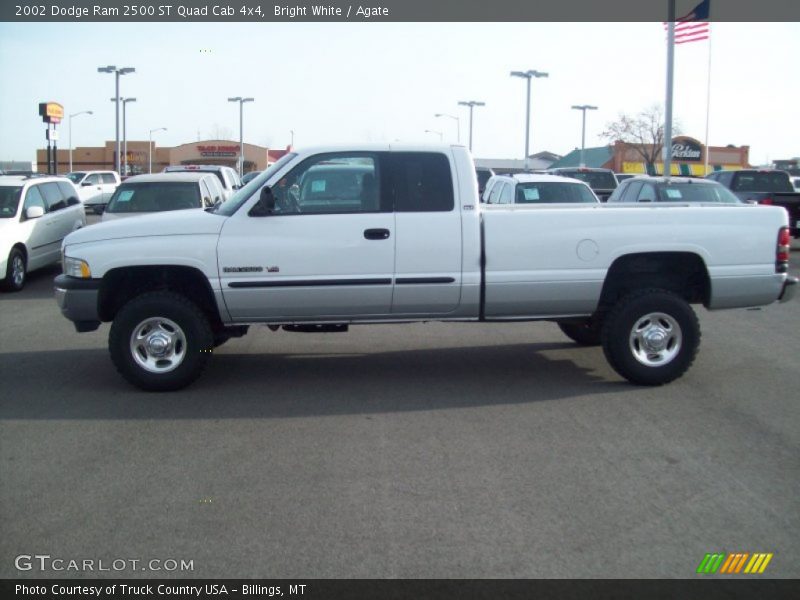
221, 133
642, 133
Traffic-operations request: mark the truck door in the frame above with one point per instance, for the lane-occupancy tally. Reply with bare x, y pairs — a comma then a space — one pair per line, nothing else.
325, 252
428, 233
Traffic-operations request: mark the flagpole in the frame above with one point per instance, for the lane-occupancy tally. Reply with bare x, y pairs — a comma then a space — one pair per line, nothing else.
708, 99
667, 148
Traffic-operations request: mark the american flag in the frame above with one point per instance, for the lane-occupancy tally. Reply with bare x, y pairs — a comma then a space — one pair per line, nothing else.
692, 27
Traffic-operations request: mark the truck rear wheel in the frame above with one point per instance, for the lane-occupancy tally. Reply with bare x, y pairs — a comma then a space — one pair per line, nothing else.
160, 341
651, 337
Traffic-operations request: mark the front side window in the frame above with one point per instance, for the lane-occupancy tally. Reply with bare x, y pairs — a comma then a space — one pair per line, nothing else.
93, 179
330, 183
154, 197
648, 194
507, 194
494, 197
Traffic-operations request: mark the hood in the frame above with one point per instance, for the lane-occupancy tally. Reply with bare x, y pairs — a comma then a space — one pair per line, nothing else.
175, 222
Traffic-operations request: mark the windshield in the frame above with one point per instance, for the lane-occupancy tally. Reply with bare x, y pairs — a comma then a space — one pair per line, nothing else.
230, 206
154, 197
552, 192
76, 176
9, 201
696, 192
775, 181
597, 180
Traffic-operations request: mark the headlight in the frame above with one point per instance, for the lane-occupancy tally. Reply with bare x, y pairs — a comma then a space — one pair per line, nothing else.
75, 267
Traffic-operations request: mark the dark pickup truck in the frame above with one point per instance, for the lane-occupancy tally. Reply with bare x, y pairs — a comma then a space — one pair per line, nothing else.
764, 186
602, 181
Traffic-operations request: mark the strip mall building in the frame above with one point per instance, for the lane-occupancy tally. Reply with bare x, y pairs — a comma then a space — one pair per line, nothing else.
208, 152
688, 158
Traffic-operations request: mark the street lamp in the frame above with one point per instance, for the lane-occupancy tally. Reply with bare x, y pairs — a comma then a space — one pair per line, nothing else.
458, 124
117, 72
439, 133
472, 104
241, 102
83, 112
150, 149
529, 74
583, 108
124, 133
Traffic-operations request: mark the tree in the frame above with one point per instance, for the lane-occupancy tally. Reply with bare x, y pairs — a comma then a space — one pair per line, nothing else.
642, 133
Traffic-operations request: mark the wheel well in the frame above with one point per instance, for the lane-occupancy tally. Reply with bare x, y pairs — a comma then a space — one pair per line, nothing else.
20, 246
683, 273
121, 285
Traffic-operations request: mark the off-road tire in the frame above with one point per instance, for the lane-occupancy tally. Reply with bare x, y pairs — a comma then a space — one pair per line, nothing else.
630, 315
195, 329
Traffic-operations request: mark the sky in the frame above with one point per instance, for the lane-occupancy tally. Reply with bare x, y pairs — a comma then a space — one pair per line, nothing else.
334, 83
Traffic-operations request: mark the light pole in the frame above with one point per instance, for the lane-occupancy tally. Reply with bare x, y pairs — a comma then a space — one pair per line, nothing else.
83, 112
117, 72
472, 104
529, 74
439, 133
458, 124
124, 134
583, 108
241, 102
150, 149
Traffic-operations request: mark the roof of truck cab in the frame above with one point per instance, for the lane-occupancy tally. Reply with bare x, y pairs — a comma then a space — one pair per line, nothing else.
173, 176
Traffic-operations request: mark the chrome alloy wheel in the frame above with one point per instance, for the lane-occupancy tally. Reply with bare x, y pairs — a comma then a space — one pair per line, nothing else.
655, 339
158, 345
18, 270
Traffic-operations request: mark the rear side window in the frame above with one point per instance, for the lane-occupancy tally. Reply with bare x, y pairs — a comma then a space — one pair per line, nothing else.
53, 197
69, 193
420, 182
109, 178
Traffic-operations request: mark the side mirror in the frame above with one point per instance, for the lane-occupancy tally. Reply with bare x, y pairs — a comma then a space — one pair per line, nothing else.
34, 212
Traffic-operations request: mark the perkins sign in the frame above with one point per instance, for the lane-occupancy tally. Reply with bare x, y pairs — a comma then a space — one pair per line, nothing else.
685, 149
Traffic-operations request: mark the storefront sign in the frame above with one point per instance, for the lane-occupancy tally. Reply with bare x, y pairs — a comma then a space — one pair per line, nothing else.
218, 151
686, 150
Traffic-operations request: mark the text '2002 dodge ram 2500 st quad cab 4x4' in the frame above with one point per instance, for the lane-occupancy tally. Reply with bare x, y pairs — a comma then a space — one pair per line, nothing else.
378, 234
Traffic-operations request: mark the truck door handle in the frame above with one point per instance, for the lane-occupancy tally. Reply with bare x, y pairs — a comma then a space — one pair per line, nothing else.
376, 234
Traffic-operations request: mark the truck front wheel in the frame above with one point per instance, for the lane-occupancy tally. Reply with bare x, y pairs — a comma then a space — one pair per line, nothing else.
160, 341
651, 337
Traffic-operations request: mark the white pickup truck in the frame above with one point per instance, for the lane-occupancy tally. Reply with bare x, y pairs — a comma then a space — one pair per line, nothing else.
328, 237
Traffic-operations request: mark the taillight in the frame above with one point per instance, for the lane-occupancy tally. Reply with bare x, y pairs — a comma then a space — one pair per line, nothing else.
767, 201
782, 251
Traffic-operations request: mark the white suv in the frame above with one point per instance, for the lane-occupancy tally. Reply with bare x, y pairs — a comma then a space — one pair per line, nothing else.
95, 188
227, 175
36, 213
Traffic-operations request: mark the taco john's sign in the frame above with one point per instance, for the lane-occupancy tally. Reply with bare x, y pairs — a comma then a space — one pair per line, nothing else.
51, 112
218, 151
686, 149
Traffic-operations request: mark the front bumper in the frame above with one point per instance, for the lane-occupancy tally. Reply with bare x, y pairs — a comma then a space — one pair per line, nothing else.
77, 299
789, 289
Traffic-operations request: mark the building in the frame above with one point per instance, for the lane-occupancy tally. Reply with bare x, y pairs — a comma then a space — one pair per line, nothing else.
688, 158
536, 162
140, 154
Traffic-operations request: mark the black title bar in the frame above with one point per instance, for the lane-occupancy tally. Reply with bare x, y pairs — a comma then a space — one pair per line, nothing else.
253, 11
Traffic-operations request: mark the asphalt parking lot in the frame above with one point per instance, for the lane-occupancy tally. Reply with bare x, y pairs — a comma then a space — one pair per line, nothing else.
423, 450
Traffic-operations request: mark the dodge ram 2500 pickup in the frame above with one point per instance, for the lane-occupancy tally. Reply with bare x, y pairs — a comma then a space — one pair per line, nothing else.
330, 237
